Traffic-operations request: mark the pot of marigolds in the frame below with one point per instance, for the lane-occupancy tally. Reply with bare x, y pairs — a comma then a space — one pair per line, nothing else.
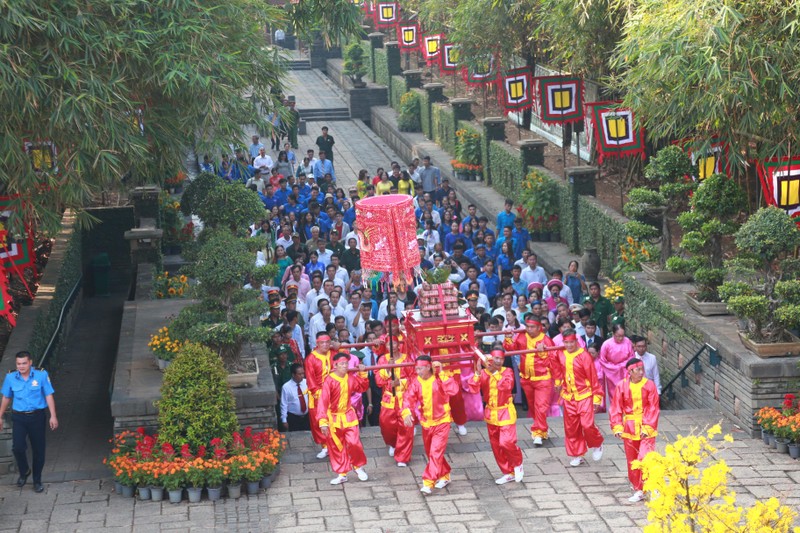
657, 204
765, 291
174, 480
195, 479
215, 476
713, 217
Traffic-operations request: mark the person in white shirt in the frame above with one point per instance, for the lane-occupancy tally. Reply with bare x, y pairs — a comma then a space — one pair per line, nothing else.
430, 236
263, 161
314, 293
318, 323
501, 311
337, 306
258, 181
523, 261
565, 292
285, 239
649, 360
294, 401
324, 255
391, 305
533, 272
330, 274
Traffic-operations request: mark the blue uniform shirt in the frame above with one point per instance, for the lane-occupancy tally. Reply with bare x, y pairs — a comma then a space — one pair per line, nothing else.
28, 395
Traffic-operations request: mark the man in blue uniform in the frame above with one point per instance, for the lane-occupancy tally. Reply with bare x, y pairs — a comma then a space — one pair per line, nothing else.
32, 394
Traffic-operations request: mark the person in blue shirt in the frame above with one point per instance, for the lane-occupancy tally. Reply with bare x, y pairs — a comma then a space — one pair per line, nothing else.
314, 265
323, 167
207, 165
483, 226
505, 260
478, 255
506, 217
30, 395
302, 182
506, 235
519, 285
490, 280
491, 249
269, 199
255, 148
521, 237
349, 213
292, 206
282, 194
454, 237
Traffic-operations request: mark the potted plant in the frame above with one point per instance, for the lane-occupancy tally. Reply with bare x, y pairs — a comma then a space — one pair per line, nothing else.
195, 478
174, 478
164, 347
172, 223
715, 207
766, 295
253, 473
669, 173
354, 66
236, 466
175, 182
214, 478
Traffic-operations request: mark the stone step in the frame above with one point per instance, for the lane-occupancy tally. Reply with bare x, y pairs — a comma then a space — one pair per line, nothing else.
317, 115
299, 64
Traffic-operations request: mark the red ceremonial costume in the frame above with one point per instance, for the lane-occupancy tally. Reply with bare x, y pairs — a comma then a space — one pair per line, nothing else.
580, 392
395, 433
432, 396
500, 416
536, 372
337, 413
318, 367
633, 413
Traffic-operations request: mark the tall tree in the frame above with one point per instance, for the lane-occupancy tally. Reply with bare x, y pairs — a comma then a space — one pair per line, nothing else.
80, 73
726, 68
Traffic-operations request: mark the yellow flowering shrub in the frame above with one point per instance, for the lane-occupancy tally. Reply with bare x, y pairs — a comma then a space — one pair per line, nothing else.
614, 290
688, 494
166, 286
163, 346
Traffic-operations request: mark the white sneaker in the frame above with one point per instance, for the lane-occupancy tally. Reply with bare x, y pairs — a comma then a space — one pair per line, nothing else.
415, 431
425, 490
576, 461
462, 430
442, 483
362, 474
323, 454
597, 454
537, 441
391, 451
505, 479
401, 464
518, 473
637, 497
338, 480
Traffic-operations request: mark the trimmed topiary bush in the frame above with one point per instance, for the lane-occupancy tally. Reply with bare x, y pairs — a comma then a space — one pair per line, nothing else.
195, 193
196, 402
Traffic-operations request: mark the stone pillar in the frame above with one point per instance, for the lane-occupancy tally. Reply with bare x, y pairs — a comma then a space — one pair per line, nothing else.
393, 58
435, 91
462, 109
494, 129
532, 151
581, 181
413, 78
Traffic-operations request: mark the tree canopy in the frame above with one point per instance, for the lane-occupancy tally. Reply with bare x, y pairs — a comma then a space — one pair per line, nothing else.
120, 88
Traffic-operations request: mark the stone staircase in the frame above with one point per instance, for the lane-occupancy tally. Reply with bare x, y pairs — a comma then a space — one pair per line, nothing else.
330, 114
298, 64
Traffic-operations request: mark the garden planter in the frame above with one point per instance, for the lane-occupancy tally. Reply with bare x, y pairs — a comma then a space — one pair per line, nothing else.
195, 494
266, 481
244, 379
144, 493
175, 496
253, 487
214, 493
782, 445
706, 308
663, 277
765, 436
163, 364
536, 236
157, 494
591, 264
773, 349
794, 450
545, 236
234, 490
462, 176
555, 237
128, 491
117, 487
772, 441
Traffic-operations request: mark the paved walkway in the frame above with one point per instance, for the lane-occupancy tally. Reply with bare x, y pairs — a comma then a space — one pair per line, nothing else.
553, 496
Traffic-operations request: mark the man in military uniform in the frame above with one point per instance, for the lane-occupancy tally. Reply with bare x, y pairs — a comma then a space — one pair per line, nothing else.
618, 317
30, 394
601, 308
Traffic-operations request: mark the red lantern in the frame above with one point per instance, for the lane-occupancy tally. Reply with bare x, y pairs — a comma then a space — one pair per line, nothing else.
387, 228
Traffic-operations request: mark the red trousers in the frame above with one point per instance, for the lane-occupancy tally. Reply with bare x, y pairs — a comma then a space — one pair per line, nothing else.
504, 446
396, 434
316, 434
457, 410
538, 395
636, 450
435, 441
348, 453
580, 431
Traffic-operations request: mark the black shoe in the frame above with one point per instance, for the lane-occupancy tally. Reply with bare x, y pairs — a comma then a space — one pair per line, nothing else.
23, 478
38, 487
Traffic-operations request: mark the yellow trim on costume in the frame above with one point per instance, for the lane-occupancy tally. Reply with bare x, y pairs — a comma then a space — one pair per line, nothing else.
529, 372
570, 390
637, 407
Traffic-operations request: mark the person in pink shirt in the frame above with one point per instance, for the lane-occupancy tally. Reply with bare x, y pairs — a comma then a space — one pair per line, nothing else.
614, 355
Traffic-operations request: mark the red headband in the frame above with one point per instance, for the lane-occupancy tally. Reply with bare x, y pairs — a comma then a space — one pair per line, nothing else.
422, 362
638, 362
572, 337
323, 338
498, 353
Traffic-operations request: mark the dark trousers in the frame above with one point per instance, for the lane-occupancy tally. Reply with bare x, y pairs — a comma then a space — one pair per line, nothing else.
29, 427
297, 422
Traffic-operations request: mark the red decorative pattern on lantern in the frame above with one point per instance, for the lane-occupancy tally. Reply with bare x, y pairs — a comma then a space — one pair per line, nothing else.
387, 229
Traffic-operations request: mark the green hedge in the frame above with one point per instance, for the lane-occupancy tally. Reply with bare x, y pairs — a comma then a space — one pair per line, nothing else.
397, 90
646, 311
382, 68
367, 47
506, 168
425, 113
47, 320
444, 127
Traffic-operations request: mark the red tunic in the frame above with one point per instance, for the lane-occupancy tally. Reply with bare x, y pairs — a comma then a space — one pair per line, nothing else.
336, 412
496, 389
533, 366
432, 395
577, 376
317, 367
634, 408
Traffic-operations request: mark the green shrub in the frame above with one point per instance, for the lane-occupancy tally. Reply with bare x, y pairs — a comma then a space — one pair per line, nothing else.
230, 206
354, 62
408, 117
195, 193
196, 402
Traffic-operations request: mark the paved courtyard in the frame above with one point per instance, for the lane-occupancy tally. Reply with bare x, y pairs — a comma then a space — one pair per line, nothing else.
553, 496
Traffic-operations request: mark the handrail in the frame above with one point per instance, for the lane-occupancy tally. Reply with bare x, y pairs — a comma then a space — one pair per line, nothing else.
714, 360
67, 303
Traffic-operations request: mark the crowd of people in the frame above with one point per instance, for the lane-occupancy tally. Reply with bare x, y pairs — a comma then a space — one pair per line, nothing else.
321, 302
